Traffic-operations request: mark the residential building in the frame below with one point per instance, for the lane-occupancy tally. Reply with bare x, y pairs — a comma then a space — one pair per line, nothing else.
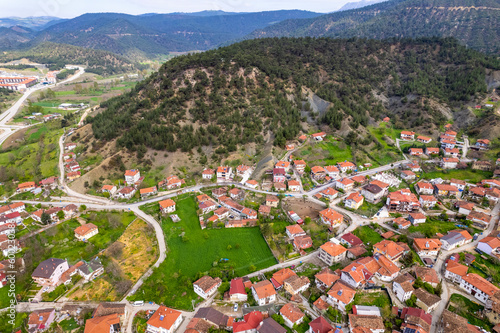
455, 271
372, 193
48, 272
249, 324
206, 286
464, 207
279, 175
423, 139
237, 291
318, 136
402, 201
40, 320
269, 325
407, 135
164, 320
292, 315
148, 191
427, 275
325, 278
86, 231
331, 253
427, 201
482, 143
224, 173
416, 218
478, 287
480, 219
356, 251
389, 249
402, 286
331, 217
445, 190
431, 151
126, 192
296, 284
300, 166
294, 230
132, 176
454, 323
353, 200
236, 194
104, 324
424, 188
208, 173
408, 175
416, 151
340, 295
302, 242
332, 171
263, 292
402, 223
111, 189
26, 187
345, 184
294, 185
320, 325
350, 240
245, 170
427, 246
279, 277
318, 173
366, 323
489, 245
451, 152
279, 186
272, 200
454, 239
493, 194
167, 206
346, 166
426, 301
219, 192
449, 162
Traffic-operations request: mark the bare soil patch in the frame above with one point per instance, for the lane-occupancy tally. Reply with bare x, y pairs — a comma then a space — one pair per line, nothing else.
303, 208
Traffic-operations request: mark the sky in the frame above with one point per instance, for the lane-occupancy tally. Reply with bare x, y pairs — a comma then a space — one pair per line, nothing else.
73, 8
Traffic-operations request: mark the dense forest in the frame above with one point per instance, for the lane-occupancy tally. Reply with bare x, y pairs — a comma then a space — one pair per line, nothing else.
476, 23
59, 55
237, 94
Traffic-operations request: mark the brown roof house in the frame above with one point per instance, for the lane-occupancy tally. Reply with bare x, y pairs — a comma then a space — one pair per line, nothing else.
206, 286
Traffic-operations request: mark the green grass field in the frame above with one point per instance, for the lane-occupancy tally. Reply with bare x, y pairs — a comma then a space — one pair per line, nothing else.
367, 235
200, 251
380, 299
469, 175
466, 308
433, 226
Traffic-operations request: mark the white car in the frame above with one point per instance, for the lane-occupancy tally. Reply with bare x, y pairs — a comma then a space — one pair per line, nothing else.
235, 307
45, 289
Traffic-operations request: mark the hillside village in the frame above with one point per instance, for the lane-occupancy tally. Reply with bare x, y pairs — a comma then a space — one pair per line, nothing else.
383, 248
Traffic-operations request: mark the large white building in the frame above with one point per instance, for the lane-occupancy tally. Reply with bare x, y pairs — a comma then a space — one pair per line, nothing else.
478, 287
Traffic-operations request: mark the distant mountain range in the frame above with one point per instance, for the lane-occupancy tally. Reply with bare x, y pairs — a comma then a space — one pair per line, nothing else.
33, 23
151, 34
475, 23
359, 4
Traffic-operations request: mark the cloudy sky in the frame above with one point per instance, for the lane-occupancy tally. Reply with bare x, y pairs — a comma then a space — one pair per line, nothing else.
72, 8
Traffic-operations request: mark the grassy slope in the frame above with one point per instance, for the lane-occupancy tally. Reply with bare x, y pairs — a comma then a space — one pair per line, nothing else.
198, 254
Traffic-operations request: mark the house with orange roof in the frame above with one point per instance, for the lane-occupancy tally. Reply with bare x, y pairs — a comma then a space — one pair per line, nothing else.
407, 175
292, 315
148, 191
252, 183
300, 166
236, 194
243, 170
388, 270
480, 219
331, 217
423, 139
319, 136
416, 218
402, 201
341, 295
455, 271
283, 165
344, 184
296, 284
26, 187
272, 200
109, 323
416, 151
132, 176
346, 166
482, 144
294, 185
86, 231
431, 151
332, 171
427, 246
263, 292
454, 239
445, 190
464, 207
167, 206
493, 194
164, 320
318, 172
427, 201
290, 147
331, 253
208, 173
489, 244
407, 135
329, 193
302, 242
449, 162
390, 249
111, 189
302, 138
249, 323
40, 320
424, 188
294, 230
386, 119
354, 200
224, 173
325, 278
451, 152
264, 210
478, 287
279, 277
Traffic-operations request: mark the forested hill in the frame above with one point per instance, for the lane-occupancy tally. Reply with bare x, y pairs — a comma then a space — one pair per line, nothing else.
476, 23
237, 94
59, 55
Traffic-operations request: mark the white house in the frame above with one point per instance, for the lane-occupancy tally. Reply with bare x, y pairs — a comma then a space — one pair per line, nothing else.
292, 315
167, 206
454, 239
340, 295
48, 272
237, 291
263, 292
488, 244
132, 176
402, 286
478, 287
455, 271
164, 320
206, 286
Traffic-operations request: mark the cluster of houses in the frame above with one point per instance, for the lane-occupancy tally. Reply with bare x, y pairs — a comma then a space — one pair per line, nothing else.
71, 166
54, 272
46, 184
55, 213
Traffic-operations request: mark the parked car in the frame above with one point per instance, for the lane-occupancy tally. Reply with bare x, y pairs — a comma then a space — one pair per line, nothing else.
235, 307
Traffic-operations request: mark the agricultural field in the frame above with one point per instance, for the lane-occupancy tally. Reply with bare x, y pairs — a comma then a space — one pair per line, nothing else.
129, 258
238, 250
324, 153
60, 242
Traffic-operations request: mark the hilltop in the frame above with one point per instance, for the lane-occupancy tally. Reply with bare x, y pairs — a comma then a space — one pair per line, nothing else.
475, 23
267, 91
